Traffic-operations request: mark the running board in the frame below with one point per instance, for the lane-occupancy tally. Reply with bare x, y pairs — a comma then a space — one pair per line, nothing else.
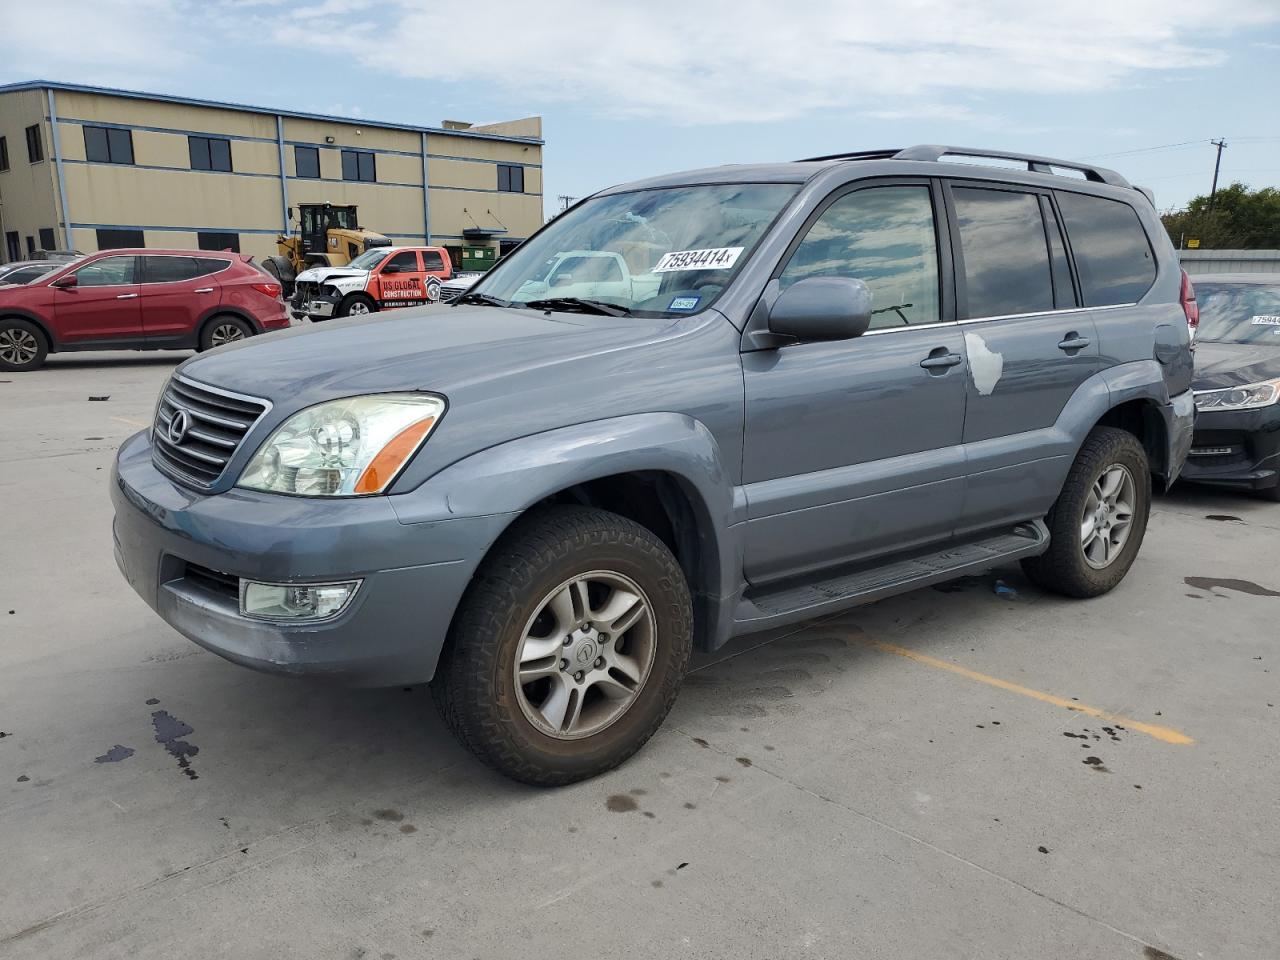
801, 602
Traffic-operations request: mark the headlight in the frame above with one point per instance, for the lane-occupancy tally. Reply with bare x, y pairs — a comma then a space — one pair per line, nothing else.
343, 448
1249, 397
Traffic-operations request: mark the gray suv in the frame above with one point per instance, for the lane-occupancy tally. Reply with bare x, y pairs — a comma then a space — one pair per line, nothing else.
689, 408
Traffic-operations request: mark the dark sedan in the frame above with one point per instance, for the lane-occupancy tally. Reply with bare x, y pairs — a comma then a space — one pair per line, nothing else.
24, 271
1237, 384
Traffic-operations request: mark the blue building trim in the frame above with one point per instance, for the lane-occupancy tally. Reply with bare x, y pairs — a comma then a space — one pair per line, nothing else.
284, 178
426, 192
61, 171
268, 111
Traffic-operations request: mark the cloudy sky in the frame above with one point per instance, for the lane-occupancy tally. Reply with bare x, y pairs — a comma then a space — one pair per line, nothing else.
631, 89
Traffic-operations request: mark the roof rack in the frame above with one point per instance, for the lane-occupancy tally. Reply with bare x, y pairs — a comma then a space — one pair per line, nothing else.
932, 152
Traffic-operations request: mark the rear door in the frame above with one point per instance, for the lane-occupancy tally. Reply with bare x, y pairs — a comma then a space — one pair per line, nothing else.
1029, 346
176, 292
103, 305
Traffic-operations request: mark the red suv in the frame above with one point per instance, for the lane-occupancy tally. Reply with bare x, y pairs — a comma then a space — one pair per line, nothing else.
138, 300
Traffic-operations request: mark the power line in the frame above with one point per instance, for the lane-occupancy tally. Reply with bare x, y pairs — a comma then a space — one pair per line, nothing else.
1129, 153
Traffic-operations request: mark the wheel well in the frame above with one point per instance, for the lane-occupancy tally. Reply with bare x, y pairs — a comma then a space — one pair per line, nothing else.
49, 342
662, 504
1142, 419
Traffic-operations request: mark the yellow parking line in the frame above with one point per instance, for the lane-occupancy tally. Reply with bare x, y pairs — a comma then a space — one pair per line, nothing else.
132, 423
1165, 734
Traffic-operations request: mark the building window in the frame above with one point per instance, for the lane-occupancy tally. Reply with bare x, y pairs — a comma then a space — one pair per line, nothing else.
108, 145
358, 165
119, 239
510, 179
31, 246
4, 153
12, 249
211, 240
35, 145
46, 239
210, 153
306, 162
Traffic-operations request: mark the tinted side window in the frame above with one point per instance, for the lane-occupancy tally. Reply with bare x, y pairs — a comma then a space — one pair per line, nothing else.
1113, 255
109, 271
432, 260
1064, 294
1006, 259
406, 260
208, 265
885, 237
167, 269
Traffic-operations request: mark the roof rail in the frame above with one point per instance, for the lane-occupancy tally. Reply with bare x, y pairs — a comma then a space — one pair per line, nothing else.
932, 152
855, 155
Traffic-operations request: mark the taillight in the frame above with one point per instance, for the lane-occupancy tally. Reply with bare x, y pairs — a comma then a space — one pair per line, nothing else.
272, 290
1187, 297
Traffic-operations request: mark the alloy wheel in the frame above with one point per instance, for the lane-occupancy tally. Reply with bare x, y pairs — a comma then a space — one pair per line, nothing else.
225, 333
1108, 516
585, 655
18, 346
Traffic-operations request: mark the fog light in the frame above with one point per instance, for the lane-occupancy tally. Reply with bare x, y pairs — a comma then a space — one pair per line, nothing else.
295, 601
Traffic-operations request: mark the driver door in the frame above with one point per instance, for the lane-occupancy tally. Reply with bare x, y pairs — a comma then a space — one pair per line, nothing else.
103, 304
853, 448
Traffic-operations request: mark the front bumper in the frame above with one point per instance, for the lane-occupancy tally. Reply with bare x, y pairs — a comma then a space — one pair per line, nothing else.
168, 539
312, 305
1236, 448
1179, 422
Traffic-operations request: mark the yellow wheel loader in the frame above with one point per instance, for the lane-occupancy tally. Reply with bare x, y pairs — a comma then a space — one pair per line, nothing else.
324, 235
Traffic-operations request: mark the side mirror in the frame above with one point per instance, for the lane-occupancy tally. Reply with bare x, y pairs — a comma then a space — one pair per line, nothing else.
66, 283
391, 268
822, 308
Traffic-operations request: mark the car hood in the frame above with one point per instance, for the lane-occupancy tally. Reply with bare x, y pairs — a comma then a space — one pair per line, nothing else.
321, 274
1220, 365
434, 348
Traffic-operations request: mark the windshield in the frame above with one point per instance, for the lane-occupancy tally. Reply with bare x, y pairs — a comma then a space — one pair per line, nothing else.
1238, 312
369, 259
652, 252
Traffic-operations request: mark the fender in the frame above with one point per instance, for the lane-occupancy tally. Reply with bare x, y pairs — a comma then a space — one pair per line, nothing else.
512, 477
30, 317
219, 311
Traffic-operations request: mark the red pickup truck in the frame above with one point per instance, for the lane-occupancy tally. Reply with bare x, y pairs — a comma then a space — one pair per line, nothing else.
379, 279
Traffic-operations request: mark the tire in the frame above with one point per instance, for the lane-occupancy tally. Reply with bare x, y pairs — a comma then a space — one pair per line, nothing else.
500, 719
23, 346
273, 267
356, 305
223, 330
1066, 567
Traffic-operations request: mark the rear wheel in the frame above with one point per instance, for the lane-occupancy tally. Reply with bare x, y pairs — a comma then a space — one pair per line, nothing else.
568, 649
22, 345
356, 305
1097, 524
223, 330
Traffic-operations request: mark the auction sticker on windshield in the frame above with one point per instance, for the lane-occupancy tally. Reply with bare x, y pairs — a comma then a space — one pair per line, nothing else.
1267, 319
713, 258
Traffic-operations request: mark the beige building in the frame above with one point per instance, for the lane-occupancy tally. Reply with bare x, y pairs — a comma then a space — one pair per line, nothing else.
86, 168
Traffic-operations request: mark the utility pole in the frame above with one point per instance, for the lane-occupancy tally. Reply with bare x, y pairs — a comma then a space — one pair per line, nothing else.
566, 201
1220, 144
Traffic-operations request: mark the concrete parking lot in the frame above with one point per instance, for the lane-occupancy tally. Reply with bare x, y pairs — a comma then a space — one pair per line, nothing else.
964, 772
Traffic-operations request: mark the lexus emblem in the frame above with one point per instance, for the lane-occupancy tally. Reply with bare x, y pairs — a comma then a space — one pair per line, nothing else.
179, 424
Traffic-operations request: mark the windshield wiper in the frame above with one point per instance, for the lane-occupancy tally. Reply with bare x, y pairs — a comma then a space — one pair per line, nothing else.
581, 305
483, 299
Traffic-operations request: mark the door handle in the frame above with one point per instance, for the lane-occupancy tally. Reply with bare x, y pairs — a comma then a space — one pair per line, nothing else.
941, 359
127, 296
1073, 341
204, 290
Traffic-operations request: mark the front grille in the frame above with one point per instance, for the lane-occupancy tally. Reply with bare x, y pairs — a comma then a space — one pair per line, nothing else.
215, 422
305, 290
449, 294
213, 581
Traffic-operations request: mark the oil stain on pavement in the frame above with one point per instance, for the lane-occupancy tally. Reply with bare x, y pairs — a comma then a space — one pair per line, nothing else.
169, 730
115, 754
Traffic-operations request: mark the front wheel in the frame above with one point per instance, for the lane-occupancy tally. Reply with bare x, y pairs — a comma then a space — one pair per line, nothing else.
356, 305
1099, 519
22, 345
569, 647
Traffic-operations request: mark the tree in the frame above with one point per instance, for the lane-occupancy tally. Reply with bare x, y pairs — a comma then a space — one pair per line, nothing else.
1240, 219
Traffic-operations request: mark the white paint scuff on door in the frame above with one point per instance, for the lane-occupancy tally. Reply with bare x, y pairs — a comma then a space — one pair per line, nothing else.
986, 365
